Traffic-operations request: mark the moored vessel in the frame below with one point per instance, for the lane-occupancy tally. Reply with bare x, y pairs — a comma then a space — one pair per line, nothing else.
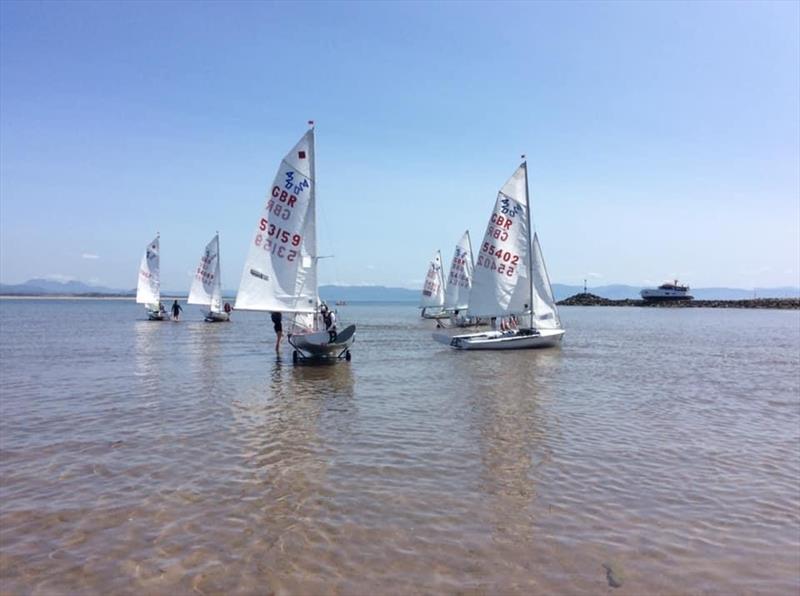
667, 291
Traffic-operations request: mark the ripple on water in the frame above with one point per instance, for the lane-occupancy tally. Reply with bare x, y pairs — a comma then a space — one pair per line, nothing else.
162, 458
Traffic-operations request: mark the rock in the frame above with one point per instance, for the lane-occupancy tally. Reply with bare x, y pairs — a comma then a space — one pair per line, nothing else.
613, 575
587, 299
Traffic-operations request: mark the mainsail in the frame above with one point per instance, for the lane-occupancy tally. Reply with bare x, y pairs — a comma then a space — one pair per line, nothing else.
501, 285
280, 273
459, 281
148, 290
207, 285
433, 290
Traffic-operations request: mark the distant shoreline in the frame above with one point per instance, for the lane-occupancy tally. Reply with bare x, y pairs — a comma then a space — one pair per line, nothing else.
587, 299
62, 297
165, 298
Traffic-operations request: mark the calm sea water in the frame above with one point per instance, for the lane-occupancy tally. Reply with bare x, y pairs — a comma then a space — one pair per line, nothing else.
656, 452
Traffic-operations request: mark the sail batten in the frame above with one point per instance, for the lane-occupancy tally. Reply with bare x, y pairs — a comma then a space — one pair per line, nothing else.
280, 272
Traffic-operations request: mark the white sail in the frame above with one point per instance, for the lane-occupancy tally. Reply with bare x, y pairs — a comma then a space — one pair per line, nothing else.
280, 273
148, 290
433, 290
303, 322
459, 281
544, 304
207, 285
501, 285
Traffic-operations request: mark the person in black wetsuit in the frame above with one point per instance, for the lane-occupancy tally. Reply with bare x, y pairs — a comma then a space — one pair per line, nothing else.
176, 310
277, 323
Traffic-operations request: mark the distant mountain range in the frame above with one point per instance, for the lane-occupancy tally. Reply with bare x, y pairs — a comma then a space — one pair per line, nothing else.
48, 286
332, 293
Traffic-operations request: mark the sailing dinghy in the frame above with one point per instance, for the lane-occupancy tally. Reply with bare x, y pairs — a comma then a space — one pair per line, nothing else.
148, 289
207, 286
432, 299
459, 284
511, 278
280, 273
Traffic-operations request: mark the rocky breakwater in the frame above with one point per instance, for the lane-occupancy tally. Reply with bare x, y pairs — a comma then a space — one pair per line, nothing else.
588, 299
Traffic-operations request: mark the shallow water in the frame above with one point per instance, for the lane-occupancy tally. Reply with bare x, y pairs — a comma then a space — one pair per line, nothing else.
657, 451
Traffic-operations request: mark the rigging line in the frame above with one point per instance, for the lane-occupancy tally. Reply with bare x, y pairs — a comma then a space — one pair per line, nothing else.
323, 220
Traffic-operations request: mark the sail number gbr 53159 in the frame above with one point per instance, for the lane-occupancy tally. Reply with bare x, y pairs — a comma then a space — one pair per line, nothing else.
278, 241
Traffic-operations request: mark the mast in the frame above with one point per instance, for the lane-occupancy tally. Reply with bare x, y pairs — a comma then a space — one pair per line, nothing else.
313, 208
218, 274
471, 256
158, 256
312, 169
528, 239
441, 279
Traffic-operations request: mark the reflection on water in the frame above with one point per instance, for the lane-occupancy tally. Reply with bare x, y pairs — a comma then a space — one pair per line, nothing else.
141, 457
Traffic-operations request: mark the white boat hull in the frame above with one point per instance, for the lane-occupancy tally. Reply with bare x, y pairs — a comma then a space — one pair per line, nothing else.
155, 315
436, 314
323, 345
217, 317
664, 295
502, 340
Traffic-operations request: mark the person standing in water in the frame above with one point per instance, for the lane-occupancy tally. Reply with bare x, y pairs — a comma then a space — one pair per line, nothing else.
329, 320
176, 310
277, 323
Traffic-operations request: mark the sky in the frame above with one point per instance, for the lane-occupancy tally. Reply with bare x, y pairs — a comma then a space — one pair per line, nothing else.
663, 139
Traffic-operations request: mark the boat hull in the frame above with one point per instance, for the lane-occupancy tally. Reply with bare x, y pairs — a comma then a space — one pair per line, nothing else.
154, 315
323, 345
217, 317
664, 297
438, 314
499, 340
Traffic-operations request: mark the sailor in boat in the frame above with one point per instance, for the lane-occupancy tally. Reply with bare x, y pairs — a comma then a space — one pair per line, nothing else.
329, 320
509, 325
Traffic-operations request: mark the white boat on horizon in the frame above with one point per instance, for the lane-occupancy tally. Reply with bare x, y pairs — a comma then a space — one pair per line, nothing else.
667, 291
511, 279
280, 273
148, 287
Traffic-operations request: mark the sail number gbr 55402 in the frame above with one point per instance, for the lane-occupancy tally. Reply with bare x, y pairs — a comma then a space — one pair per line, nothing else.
494, 257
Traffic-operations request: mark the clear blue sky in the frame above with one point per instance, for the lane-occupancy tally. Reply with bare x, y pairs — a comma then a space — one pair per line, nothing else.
663, 139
